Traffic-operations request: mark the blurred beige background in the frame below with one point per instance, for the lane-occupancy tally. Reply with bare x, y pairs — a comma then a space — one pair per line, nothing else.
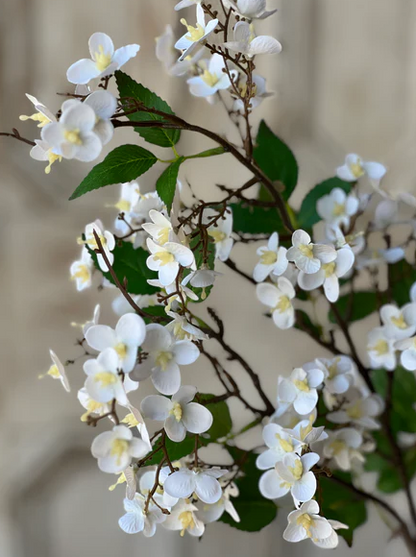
345, 82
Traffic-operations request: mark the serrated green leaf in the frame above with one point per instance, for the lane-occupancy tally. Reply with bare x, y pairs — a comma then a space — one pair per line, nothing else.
129, 264
130, 89
308, 215
255, 220
123, 164
166, 184
222, 424
275, 159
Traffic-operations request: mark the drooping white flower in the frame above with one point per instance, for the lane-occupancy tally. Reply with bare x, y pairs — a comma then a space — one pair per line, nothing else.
195, 36
220, 231
272, 259
359, 409
299, 390
91, 406
43, 152
258, 90
331, 542
338, 373
73, 137
337, 207
42, 115
106, 238
309, 257
137, 519
279, 443
355, 167
407, 347
166, 260
125, 339
204, 483
212, 79
279, 300
343, 446
293, 474
103, 62
104, 383
160, 229
328, 274
399, 323
147, 202
163, 357
182, 329
202, 278
246, 42
57, 371
184, 517
104, 105
250, 9
212, 513
380, 349
115, 449
306, 523
179, 414
82, 270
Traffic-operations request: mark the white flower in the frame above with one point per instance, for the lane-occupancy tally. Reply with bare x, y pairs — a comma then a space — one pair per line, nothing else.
94, 320
381, 350
166, 260
279, 443
137, 520
272, 259
306, 523
332, 541
408, 355
147, 482
179, 414
107, 240
42, 151
385, 213
147, 202
213, 78
57, 371
202, 278
203, 483
399, 323
186, 4
293, 474
168, 55
73, 137
375, 257
182, 329
328, 274
299, 390
160, 229
81, 270
212, 513
279, 299
337, 207
246, 42
195, 36
360, 410
104, 383
258, 90
354, 168
250, 9
128, 335
342, 445
91, 406
104, 105
174, 292
338, 373
309, 257
163, 357
220, 231
42, 115
305, 434
104, 60
184, 517
115, 449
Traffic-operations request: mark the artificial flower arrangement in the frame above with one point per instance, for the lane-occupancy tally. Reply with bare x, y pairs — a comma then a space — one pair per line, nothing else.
333, 420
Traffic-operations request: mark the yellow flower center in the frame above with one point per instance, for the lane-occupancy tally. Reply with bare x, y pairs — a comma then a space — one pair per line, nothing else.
217, 235
54, 372
120, 480
187, 521
268, 258
287, 446
37, 117
73, 136
338, 210
194, 33
357, 169
399, 322
82, 273
337, 446
118, 448
306, 521
283, 304
333, 369
355, 412
93, 407
106, 378
121, 350
381, 347
52, 157
162, 360
302, 385
210, 78
130, 420
102, 60
177, 411
297, 470
329, 268
123, 205
306, 250
163, 236
164, 257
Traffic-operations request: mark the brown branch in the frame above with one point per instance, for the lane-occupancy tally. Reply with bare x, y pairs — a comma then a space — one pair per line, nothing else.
16, 135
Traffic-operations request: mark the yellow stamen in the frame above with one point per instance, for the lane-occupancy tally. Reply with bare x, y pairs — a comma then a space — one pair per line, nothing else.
210, 79
52, 158
130, 420
355, 412
339, 209
121, 350
73, 136
306, 250
37, 117
163, 236
162, 360
82, 273
164, 257
399, 322
302, 385
177, 411
381, 347
194, 33
118, 448
120, 480
106, 378
297, 470
337, 446
283, 304
306, 521
123, 205
287, 446
268, 258
329, 268
357, 169
187, 520
217, 235
102, 60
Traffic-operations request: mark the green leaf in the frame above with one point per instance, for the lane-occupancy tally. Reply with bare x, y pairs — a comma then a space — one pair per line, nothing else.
124, 164
129, 264
222, 423
363, 304
402, 276
255, 220
197, 247
302, 318
275, 159
308, 215
254, 510
130, 89
175, 450
339, 503
166, 184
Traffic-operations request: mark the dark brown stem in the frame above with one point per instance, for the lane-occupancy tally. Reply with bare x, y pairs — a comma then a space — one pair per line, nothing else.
16, 135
